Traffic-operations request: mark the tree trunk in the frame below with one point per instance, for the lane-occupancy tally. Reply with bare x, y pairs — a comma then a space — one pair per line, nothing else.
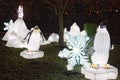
60, 18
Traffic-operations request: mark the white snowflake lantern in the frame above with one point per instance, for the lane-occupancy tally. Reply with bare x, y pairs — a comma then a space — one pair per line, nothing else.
8, 25
74, 52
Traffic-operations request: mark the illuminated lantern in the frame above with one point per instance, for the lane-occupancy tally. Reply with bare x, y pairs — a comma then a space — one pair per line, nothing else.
33, 39
100, 69
75, 53
18, 28
54, 37
101, 47
65, 34
8, 25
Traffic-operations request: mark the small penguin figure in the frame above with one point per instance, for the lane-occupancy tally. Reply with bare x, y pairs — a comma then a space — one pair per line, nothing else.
34, 39
101, 47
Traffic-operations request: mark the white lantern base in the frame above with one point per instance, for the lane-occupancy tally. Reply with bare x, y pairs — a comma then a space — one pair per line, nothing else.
100, 73
32, 55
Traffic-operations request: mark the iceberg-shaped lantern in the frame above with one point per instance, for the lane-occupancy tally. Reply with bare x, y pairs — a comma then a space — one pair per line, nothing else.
18, 30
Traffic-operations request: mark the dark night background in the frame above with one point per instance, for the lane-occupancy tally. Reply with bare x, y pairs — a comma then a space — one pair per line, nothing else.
37, 14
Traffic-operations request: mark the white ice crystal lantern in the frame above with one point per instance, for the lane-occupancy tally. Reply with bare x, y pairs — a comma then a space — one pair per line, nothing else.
65, 34
74, 30
20, 12
18, 27
54, 37
74, 52
8, 25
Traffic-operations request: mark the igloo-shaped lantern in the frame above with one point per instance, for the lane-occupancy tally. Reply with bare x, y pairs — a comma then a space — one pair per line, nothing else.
54, 37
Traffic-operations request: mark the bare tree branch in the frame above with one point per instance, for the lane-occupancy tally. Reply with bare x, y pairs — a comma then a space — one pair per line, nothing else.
50, 4
65, 5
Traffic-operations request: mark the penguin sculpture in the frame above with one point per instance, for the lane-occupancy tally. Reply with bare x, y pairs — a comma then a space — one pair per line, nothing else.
33, 41
101, 47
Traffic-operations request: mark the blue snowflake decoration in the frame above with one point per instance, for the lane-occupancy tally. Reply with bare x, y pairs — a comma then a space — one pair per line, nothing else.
75, 51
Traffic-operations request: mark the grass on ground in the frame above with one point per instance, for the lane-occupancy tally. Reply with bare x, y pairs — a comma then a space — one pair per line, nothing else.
50, 67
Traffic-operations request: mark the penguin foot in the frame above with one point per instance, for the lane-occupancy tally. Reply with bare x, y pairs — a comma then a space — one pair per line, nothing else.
28, 50
93, 66
106, 66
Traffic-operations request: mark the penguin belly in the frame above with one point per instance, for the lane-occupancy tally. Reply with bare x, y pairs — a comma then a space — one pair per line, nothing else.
101, 47
34, 41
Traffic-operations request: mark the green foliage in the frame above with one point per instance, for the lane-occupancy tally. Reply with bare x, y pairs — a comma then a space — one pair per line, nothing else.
90, 28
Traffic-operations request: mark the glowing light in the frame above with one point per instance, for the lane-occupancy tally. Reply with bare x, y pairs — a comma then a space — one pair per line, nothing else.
8, 25
116, 10
20, 11
54, 37
34, 40
101, 46
75, 52
100, 69
17, 29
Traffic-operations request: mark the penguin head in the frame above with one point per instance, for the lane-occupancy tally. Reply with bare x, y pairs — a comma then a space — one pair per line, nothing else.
102, 26
36, 28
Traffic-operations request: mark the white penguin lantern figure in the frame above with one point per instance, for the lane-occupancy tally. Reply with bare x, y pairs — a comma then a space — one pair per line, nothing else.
101, 47
35, 38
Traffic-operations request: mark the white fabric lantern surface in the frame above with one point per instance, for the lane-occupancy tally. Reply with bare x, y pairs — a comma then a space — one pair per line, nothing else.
18, 28
33, 40
101, 46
